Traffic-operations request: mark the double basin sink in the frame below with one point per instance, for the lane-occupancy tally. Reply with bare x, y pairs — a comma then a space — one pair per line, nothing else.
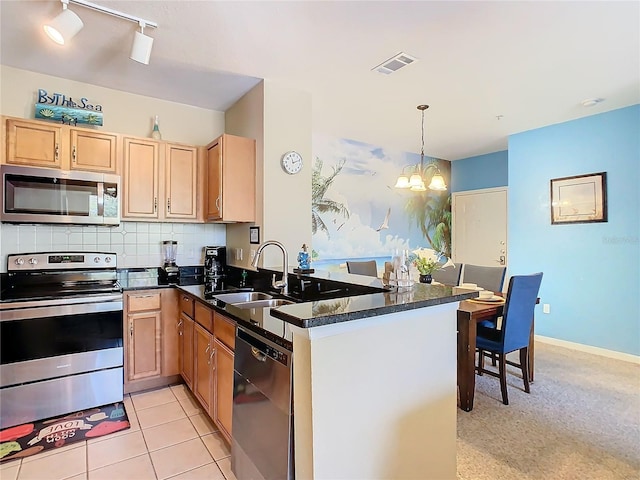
251, 300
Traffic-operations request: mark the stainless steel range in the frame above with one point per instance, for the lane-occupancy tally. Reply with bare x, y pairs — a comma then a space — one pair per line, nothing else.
60, 333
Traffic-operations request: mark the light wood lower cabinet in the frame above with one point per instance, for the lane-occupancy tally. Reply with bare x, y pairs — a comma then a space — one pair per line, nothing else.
186, 326
223, 387
150, 338
206, 359
143, 334
203, 367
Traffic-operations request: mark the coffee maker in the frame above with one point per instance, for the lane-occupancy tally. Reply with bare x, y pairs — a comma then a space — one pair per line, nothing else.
215, 262
169, 272
215, 266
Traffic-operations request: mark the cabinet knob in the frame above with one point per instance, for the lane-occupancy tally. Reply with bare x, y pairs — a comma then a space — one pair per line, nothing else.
155, 204
73, 154
57, 152
168, 205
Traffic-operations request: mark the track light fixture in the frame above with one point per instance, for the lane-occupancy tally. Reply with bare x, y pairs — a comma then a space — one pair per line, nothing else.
62, 28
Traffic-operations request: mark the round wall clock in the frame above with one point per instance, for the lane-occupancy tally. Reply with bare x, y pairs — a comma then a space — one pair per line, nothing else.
292, 162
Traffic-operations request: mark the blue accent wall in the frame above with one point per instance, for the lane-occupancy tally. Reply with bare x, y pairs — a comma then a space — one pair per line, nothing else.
591, 271
484, 171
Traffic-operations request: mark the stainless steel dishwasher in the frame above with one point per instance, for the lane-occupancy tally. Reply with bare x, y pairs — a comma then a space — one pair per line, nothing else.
262, 409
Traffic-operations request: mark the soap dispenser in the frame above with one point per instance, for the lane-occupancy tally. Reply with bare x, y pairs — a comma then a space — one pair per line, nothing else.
304, 260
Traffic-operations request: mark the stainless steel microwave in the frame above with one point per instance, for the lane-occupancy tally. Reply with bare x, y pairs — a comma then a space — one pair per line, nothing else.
47, 195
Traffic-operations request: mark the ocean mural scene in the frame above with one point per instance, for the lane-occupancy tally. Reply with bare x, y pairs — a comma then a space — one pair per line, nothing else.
358, 214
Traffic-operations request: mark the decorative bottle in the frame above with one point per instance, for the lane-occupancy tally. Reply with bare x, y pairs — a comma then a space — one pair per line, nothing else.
303, 258
155, 134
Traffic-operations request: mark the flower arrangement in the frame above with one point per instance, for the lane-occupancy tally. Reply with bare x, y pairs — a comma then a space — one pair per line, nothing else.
426, 260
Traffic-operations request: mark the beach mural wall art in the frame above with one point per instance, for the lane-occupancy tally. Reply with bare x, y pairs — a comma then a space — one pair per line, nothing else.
358, 214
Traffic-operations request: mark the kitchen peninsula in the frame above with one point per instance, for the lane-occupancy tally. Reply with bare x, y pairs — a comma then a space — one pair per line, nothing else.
374, 380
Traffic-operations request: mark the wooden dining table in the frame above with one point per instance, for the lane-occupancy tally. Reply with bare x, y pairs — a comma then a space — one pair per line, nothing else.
469, 314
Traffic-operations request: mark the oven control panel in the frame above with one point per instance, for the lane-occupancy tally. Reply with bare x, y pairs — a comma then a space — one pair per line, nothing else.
60, 261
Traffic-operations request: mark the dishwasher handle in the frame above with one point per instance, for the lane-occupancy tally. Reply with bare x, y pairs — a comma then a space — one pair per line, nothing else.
258, 355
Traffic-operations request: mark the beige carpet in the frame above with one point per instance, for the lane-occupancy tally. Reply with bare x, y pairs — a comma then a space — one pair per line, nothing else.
581, 421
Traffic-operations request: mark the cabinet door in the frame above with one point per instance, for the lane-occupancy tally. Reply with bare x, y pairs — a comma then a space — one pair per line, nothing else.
214, 182
186, 349
238, 179
33, 143
140, 178
93, 150
223, 402
203, 374
170, 333
181, 176
143, 349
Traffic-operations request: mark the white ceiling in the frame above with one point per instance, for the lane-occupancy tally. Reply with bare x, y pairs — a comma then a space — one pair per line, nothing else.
531, 62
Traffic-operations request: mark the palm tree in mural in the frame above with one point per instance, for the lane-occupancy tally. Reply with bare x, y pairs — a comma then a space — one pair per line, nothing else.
320, 204
432, 214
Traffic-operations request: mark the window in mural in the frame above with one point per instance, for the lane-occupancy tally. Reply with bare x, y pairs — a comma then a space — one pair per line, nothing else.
358, 214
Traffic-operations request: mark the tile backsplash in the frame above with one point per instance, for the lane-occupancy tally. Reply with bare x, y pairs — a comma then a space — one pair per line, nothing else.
137, 244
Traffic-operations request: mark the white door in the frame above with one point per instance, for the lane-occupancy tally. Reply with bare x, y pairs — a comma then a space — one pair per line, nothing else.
479, 227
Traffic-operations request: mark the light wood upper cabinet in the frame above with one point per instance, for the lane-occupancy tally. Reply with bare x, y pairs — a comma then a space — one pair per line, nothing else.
231, 179
181, 181
34, 143
40, 144
160, 181
94, 151
140, 178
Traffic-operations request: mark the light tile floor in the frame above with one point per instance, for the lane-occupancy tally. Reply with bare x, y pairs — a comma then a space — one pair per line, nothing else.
170, 437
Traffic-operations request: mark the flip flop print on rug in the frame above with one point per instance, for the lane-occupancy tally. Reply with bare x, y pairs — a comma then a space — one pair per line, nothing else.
31, 438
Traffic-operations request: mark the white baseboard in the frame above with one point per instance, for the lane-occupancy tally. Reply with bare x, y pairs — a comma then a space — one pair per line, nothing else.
627, 357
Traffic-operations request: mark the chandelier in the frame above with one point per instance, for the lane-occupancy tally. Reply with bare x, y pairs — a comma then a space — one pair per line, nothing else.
416, 182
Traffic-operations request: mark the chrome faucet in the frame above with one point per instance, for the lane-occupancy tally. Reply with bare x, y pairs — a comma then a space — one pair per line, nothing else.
283, 284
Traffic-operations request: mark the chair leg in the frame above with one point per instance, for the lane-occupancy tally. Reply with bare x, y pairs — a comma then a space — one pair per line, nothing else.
502, 370
524, 366
480, 361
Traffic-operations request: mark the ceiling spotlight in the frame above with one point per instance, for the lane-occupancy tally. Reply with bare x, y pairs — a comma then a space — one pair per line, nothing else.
62, 28
141, 47
67, 24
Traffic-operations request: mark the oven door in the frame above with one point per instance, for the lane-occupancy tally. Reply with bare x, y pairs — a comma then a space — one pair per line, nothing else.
59, 359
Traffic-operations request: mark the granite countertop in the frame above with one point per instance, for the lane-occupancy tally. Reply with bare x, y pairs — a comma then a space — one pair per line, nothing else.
344, 309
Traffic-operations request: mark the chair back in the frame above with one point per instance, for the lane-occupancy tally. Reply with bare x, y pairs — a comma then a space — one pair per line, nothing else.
449, 275
518, 310
489, 278
367, 267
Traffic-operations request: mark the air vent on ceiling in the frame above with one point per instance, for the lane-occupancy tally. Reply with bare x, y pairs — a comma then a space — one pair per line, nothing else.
394, 63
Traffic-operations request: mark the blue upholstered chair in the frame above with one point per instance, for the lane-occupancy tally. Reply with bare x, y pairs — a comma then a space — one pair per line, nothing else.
489, 278
514, 332
367, 267
449, 275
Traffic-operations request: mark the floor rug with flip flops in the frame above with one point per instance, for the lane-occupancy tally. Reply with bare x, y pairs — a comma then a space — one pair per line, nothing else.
31, 438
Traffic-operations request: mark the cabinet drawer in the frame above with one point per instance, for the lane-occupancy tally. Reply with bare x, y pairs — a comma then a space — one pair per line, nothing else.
204, 316
147, 301
225, 330
186, 304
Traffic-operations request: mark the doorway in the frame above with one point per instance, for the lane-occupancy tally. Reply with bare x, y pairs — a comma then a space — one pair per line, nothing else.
479, 227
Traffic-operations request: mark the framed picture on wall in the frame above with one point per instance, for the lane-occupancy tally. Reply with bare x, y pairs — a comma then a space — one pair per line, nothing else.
254, 234
579, 199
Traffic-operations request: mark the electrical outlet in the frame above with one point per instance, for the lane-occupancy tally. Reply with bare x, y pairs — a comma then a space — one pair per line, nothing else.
238, 254
546, 308
253, 253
